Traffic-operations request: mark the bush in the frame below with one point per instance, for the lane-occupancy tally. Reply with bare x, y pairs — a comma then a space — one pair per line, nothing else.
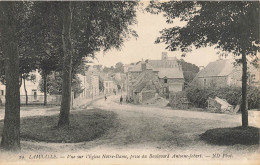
253, 96
233, 95
179, 100
231, 136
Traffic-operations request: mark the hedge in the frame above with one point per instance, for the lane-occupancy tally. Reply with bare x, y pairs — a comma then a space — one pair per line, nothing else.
233, 95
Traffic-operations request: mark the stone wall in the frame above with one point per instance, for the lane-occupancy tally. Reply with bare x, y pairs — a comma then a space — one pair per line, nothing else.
39, 99
147, 95
212, 82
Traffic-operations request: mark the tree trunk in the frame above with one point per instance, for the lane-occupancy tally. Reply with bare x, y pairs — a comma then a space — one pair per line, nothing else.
20, 80
45, 88
11, 130
67, 66
244, 110
25, 91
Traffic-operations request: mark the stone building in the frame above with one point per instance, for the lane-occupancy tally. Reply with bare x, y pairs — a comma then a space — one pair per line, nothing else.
222, 73
90, 83
34, 94
167, 70
31, 86
109, 85
146, 86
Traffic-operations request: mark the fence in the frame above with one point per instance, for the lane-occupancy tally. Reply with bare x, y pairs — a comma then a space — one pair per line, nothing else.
36, 99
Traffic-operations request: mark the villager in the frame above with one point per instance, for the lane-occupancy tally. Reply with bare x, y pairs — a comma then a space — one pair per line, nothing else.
126, 100
114, 91
130, 99
121, 99
105, 97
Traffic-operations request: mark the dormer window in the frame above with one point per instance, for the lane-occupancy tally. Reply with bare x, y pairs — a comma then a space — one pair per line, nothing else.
165, 80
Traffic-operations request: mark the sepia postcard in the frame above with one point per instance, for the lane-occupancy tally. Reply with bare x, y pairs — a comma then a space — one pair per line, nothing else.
129, 82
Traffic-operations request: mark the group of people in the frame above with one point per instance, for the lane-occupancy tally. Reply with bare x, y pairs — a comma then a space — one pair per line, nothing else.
127, 100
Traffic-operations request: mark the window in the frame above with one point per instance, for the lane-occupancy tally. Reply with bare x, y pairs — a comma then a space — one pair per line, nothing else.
205, 83
1, 92
165, 80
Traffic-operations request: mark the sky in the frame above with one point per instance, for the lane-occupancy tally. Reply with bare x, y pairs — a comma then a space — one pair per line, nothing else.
143, 47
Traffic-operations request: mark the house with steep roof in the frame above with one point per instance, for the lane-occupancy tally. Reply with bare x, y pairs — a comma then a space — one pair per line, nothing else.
222, 73
109, 85
167, 70
172, 79
146, 86
136, 75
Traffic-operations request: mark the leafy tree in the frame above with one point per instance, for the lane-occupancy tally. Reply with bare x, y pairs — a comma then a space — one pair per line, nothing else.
79, 29
99, 67
9, 19
83, 29
231, 26
101, 84
47, 39
119, 67
27, 77
189, 70
28, 59
107, 69
87, 28
2, 70
188, 76
76, 86
27, 37
186, 66
54, 84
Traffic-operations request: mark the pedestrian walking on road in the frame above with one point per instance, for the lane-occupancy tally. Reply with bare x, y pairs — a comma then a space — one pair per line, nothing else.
105, 97
130, 99
126, 100
121, 99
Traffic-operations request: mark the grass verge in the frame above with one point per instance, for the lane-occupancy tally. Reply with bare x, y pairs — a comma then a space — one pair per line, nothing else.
84, 126
231, 136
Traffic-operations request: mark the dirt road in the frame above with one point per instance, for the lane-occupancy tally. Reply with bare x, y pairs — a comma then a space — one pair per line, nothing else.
143, 129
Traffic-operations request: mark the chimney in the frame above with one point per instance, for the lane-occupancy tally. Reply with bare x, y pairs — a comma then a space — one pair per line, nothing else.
143, 65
